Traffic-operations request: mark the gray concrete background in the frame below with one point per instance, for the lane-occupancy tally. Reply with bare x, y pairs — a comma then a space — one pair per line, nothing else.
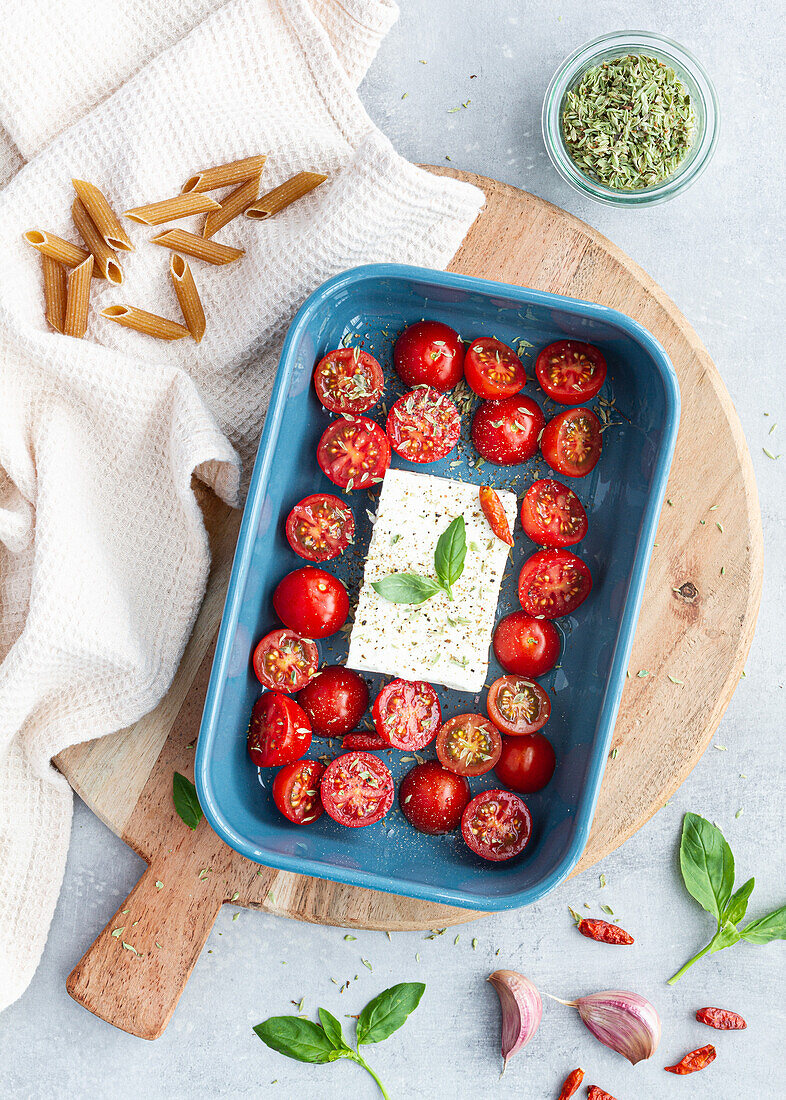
718, 252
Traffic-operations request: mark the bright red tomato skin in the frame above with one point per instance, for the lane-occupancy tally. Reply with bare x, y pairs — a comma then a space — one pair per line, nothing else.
492, 369
335, 701
486, 829
429, 353
354, 452
571, 442
506, 432
525, 718
320, 527
553, 583
423, 426
348, 380
552, 515
407, 714
349, 797
290, 791
285, 661
525, 645
571, 372
432, 799
279, 732
311, 601
526, 764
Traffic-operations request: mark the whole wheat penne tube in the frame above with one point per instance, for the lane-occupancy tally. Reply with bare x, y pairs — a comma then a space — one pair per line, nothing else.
225, 175
103, 216
78, 298
148, 323
107, 265
188, 296
235, 203
55, 291
284, 195
168, 210
49, 245
210, 251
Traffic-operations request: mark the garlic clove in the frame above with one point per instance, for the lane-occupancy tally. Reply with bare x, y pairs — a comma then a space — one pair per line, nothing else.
625, 1022
522, 1010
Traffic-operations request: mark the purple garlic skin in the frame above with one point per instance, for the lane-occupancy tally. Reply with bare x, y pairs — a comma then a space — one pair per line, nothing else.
625, 1022
522, 1009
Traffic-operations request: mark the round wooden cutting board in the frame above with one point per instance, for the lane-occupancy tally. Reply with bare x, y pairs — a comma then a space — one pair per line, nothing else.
695, 628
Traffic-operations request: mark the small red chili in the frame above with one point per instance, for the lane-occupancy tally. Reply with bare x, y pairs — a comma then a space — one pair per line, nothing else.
695, 1060
572, 1082
495, 514
602, 931
721, 1019
596, 1093
363, 742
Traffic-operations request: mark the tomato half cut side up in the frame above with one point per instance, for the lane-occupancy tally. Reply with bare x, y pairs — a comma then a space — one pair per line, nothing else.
492, 509
526, 645
320, 527
468, 745
553, 583
283, 661
571, 372
492, 369
354, 452
518, 706
279, 732
552, 514
407, 714
571, 443
496, 825
357, 789
348, 380
296, 791
424, 425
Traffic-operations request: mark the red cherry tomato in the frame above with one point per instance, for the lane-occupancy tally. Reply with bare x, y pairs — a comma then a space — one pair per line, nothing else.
335, 701
553, 583
429, 353
278, 732
354, 452
552, 514
363, 742
517, 705
423, 425
319, 527
492, 369
468, 745
526, 764
296, 791
283, 661
348, 380
496, 825
571, 372
571, 442
407, 714
357, 789
311, 602
506, 432
525, 645
432, 798
495, 514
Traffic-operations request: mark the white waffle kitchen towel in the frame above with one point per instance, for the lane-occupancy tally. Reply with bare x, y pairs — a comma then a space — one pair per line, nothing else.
103, 556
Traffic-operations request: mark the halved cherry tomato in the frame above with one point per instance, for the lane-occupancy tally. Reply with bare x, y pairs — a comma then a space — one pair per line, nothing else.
495, 514
278, 732
429, 353
553, 583
492, 369
506, 432
571, 442
311, 601
432, 798
423, 425
283, 661
319, 527
363, 742
571, 372
496, 825
335, 701
357, 789
296, 791
525, 645
468, 745
517, 705
407, 714
552, 514
354, 452
348, 380
526, 764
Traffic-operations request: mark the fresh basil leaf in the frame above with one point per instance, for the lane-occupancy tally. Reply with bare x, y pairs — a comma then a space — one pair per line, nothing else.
302, 1040
707, 864
727, 937
450, 553
186, 802
738, 902
406, 588
388, 1011
332, 1028
766, 929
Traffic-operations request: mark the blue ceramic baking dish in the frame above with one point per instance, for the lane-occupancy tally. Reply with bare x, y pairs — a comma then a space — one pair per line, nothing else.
623, 497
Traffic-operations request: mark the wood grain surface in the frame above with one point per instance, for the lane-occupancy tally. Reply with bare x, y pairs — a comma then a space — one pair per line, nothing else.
696, 626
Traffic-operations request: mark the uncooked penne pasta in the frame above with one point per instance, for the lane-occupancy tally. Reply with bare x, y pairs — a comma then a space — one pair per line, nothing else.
103, 216
78, 298
54, 291
210, 251
225, 175
49, 245
288, 192
148, 323
107, 264
168, 210
188, 296
235, 203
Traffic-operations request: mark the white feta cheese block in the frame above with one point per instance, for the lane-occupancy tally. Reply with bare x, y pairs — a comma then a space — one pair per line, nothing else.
442, 641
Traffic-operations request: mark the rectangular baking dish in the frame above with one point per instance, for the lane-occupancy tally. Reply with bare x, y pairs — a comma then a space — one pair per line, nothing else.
623, 497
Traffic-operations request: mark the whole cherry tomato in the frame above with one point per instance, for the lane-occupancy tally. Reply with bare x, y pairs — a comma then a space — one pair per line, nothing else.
526, 764
506, 432
311, 602
432, 799
431, 354
526, 645
335, 701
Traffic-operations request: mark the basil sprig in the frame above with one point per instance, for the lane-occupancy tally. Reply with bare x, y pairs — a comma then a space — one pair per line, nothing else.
449, 555
707, 866
306, 1041
186, 802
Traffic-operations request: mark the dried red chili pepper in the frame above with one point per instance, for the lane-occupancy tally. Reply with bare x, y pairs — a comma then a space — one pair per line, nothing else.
572, 1082
695, 1060
596, 1093
602, 931
363, 742
721, 1019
